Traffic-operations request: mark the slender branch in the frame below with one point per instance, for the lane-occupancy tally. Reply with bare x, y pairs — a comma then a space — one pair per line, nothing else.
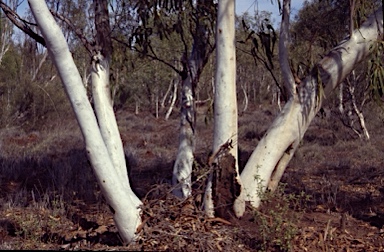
21, 23
79, 33
258, 57
150, 56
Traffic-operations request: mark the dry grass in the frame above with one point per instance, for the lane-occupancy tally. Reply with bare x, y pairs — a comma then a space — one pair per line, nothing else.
50, 200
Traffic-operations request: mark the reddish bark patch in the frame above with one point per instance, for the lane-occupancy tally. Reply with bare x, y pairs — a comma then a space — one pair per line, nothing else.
225, 188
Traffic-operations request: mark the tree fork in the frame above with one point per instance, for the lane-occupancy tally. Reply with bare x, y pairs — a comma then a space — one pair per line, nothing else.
297, 114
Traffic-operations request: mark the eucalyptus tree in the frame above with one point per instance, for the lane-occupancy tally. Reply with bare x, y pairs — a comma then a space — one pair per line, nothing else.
274, 150
100, 132
99, 129
193, 24
201, 49
316, 35
268, 161
224, 183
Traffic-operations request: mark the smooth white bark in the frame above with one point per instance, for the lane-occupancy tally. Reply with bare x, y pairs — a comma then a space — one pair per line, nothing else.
245, 102
289, 127
117, 192
341, 103
166, 94
290, 86
105, 115
101, 94
45, 55
225, 105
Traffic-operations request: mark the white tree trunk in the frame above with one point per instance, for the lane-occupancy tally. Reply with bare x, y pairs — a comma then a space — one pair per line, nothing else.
173, 101
290, 86
287, 130
341, 103
171, 84
157, 102
351, 90
101, 94
182, 170
245, 102
115, 188
225, 105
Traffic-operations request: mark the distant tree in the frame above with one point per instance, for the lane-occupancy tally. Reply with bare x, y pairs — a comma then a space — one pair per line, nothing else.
257, 40
6, 29
28, 91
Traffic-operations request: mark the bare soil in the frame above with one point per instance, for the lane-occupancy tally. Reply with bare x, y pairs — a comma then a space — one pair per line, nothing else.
331, 198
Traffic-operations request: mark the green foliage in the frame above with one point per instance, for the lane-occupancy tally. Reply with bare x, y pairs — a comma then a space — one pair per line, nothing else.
253, 58
263, 37
321, 25
162, 19
317, 28
24, 102
376, 70
276, 219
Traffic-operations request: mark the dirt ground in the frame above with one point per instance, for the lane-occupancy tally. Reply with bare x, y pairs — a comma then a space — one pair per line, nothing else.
331, 197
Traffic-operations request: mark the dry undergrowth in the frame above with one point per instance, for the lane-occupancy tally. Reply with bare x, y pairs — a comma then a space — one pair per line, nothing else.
49, 198
173, 224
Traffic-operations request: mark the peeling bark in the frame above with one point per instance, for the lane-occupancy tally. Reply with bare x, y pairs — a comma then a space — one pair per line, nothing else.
225, 106
225, 186
182, 170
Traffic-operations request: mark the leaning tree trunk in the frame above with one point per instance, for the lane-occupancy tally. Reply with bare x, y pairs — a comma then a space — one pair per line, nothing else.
109, 174
290, 84
277, 146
